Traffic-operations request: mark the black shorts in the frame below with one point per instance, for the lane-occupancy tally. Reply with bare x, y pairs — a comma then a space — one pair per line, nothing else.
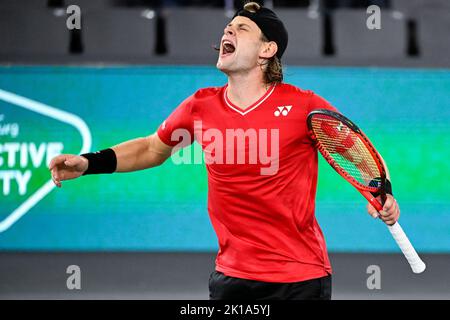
222, 287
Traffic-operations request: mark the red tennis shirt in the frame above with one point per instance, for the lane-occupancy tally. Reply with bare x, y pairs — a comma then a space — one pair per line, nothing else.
262, 177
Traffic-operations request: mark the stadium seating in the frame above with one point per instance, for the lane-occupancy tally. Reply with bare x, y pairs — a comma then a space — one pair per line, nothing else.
89, 4
21, 4
434, 34
31, 34
413, 7
116, 34
192, 33
413, 33
355, 41
305, 34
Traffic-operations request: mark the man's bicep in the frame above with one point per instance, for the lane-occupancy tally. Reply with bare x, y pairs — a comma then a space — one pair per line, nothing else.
158, 151
160, 145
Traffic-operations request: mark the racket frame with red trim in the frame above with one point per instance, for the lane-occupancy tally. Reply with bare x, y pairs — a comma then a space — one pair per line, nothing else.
366, 191
417, 265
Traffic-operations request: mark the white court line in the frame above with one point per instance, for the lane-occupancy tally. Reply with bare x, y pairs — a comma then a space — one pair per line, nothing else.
54, 113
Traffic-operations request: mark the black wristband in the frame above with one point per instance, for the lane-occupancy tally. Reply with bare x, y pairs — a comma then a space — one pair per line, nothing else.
104, 161
388, 187
376, 182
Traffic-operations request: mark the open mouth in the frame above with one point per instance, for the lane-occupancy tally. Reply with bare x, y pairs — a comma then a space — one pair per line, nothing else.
227, 48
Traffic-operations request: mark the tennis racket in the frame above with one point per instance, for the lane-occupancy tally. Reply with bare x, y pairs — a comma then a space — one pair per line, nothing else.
348, 150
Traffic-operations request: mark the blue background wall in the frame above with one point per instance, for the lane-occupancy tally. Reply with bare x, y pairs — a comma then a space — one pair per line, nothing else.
406, 113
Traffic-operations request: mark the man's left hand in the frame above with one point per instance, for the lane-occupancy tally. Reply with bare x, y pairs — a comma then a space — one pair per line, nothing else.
390, 212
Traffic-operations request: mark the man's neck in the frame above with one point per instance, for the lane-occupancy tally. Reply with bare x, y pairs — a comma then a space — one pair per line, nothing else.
245, 89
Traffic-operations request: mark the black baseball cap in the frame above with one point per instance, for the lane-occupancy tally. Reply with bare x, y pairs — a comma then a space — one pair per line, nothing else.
271, 26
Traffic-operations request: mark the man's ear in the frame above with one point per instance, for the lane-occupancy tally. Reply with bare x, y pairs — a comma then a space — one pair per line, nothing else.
268, 50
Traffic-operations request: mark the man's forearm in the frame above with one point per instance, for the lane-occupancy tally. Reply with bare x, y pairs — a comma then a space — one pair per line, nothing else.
140, 153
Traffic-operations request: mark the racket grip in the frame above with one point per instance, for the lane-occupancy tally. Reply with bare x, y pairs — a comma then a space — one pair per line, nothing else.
417, 265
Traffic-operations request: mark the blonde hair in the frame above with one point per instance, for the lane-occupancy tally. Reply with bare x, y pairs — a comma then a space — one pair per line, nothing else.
273, 72
252, 6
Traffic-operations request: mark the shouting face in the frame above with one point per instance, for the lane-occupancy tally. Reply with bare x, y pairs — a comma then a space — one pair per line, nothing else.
242, 46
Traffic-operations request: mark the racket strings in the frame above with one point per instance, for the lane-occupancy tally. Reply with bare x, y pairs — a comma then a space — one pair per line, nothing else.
344, 149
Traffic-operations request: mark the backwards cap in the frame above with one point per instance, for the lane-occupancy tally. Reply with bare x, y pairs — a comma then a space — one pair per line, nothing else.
270, 25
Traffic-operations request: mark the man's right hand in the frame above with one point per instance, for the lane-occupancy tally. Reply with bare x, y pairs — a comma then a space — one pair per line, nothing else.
66, 167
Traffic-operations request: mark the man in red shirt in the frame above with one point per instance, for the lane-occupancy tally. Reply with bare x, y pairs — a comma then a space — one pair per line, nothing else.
261, 163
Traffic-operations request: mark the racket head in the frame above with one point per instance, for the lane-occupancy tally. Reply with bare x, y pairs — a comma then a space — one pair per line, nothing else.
348, 150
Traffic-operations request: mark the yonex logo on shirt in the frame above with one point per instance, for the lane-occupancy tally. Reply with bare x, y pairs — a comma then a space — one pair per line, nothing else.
283, 110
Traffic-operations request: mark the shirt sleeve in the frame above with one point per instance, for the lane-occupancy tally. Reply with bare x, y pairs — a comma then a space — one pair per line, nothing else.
178, 128
317, 102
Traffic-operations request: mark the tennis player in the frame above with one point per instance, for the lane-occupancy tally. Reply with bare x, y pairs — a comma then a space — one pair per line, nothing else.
270, 244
